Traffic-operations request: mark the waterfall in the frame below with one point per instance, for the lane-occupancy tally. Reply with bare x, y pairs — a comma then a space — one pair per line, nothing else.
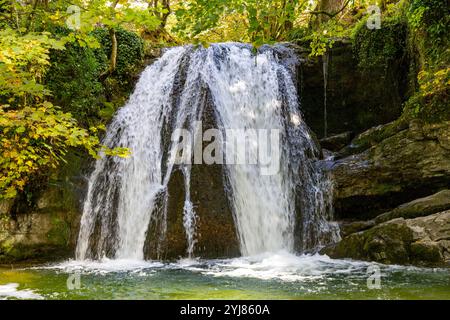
288, 209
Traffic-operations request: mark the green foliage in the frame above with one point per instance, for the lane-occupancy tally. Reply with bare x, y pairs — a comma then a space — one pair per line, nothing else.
429, 24
429, 20
74, 76
431, 102
23, 63
130, 51
376, 48
257, 21
323, 38
73, 79
35, 135
35, 139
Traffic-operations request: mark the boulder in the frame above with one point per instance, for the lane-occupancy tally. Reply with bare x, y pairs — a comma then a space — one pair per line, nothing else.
437, 202
423, 241
346, 228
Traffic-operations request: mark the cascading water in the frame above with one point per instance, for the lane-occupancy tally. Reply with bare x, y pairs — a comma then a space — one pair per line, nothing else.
288, 209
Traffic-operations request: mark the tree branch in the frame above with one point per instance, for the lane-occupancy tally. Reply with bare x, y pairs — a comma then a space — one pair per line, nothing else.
113, 57
331, 15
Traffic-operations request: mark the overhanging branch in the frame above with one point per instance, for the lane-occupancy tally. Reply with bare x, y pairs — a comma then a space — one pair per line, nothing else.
331, 15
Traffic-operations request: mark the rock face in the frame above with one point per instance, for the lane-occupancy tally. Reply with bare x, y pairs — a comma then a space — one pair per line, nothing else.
48, 229
423, 241
418, 208
412, 163
421, 207
336, 142
38, 235
216, 235
356, 99
392, 197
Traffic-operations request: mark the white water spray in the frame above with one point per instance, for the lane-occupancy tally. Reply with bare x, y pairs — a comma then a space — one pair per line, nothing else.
288, 210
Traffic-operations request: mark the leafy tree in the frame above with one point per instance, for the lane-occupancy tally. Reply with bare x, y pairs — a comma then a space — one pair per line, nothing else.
35, 134
263, 20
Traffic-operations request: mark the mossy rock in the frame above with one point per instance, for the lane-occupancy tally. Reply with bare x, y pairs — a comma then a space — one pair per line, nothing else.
420, 241
421, 207
424, 253
385, 243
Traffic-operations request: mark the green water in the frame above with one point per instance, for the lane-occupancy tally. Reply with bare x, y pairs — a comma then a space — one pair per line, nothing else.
279, 276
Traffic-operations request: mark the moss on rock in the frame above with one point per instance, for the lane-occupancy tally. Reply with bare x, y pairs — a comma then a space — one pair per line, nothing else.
420, 241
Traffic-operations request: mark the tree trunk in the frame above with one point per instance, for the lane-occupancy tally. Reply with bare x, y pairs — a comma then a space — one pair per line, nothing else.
113, 56
159, 33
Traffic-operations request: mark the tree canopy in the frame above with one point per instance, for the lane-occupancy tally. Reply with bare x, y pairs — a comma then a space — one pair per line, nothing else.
43, 41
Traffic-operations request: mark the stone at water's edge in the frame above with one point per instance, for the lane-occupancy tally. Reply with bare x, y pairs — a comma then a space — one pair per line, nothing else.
391, 165
423, 241
435, 203
45, 233
46, 230
43, 236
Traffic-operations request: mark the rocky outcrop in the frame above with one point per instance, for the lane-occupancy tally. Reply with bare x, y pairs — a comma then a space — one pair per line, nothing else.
47, 232
356, 99
423, 241
44, 226
411, 163
421, 207
37, 235
435, 203
392, 197
215, 234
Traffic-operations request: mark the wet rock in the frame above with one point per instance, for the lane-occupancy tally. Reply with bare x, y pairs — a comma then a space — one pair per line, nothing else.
215, 232
336, 142
423, 241
347, 228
